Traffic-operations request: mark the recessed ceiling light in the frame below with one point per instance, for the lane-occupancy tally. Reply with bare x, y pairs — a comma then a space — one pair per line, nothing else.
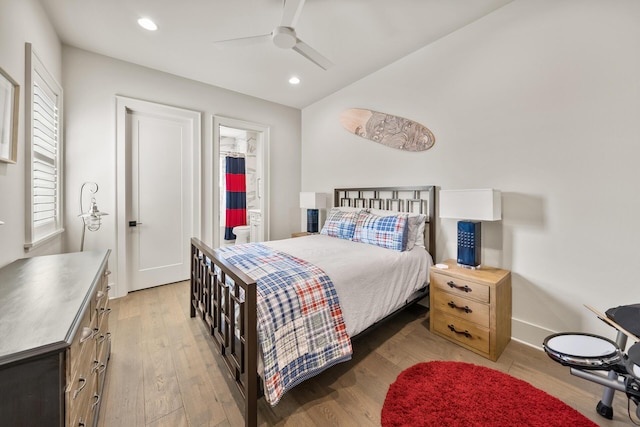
147, 24
294, 80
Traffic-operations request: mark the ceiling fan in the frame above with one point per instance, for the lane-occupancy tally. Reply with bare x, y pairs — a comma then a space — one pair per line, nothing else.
284, 36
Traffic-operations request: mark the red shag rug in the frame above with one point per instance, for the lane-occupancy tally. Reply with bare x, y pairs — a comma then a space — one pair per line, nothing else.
463, 394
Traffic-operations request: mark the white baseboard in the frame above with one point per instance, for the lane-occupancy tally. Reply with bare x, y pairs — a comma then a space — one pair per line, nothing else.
529, 334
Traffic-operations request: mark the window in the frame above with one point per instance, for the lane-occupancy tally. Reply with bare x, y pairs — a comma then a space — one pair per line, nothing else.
44, 152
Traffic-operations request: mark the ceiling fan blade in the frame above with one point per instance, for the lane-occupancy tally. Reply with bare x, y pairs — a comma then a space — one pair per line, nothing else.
244, 41
291, 12
312, 55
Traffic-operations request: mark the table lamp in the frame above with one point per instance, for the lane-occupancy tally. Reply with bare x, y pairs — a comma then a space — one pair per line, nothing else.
471, 207
312, 202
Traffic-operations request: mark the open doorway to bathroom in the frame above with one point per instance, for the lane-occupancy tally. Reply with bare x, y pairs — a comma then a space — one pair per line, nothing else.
240, 182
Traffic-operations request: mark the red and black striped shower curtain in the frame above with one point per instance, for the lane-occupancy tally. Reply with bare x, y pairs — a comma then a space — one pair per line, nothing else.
236, 184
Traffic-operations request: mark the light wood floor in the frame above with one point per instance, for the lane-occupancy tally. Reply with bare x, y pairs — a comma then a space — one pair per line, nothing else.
163, 372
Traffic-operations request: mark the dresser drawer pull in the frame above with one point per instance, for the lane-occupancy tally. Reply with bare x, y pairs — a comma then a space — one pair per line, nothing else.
102, 368
103, 337
465, 332
466, 308
96, 364
84, 383
82, 424
107, 272
97, 398
465, 288
103, 311
87, 333
100, 295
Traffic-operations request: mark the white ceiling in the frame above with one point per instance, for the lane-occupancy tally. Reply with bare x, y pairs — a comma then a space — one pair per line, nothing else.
358, 36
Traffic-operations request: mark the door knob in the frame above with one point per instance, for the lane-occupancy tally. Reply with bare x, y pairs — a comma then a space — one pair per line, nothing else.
134, 223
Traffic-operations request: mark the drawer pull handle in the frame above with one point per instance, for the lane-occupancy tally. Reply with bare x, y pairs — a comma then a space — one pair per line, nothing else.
100, 295
107, 272
103, 311
97, 398
79, 389
466, 308
102, 367
464, 288
95, 367
465, 332
87, 333
103, 337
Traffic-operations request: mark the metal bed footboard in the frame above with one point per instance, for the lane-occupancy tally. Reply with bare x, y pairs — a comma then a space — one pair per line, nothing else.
225, 298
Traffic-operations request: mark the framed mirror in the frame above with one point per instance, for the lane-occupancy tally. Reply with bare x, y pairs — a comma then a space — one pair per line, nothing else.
9, 101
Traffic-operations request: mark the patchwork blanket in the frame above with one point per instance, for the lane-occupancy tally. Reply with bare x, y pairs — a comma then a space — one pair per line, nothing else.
300, 326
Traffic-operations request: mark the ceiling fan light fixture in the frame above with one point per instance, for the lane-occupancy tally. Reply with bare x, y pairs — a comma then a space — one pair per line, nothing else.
294, 80
147, 24
284, 37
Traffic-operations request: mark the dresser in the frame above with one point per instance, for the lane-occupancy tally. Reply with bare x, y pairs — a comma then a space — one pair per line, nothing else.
55, 340
472, 307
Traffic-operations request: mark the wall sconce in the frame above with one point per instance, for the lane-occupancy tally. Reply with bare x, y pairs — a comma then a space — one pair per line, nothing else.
92, 217
312, 202
472, 206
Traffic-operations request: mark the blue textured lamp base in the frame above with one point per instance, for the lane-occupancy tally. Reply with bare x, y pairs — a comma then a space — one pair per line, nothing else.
469, 240
312, 220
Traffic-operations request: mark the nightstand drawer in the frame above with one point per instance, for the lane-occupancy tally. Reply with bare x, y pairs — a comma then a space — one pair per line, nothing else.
467, 333
463, 308
466, 288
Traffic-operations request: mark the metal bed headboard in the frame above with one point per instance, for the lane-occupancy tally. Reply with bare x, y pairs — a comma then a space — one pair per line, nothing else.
420, 199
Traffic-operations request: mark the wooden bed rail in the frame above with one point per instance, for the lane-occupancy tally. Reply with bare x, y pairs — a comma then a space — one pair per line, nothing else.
225, 299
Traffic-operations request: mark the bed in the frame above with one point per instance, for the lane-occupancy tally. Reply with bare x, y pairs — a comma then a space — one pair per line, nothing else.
372, 258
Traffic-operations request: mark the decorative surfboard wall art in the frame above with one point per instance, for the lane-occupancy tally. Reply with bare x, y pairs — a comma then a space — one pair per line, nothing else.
392, 131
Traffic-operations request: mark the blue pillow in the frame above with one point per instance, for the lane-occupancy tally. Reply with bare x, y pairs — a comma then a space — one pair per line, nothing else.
340, 224
385, 231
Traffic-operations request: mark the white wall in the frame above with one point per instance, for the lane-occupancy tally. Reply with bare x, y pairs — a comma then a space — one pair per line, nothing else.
21, 22
540, 99
91, 83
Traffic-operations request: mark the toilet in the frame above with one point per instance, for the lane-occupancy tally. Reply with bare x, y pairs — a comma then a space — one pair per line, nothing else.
242, 233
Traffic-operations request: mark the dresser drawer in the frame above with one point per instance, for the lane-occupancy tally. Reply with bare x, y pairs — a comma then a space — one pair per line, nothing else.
461, 307
473, 290
475, 337
82, 342
81, 387
102, 315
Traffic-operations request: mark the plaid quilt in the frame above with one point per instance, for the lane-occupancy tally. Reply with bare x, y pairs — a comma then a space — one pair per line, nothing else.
300, 326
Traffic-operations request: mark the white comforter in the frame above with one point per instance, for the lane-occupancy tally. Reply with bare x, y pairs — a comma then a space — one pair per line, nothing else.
371, 282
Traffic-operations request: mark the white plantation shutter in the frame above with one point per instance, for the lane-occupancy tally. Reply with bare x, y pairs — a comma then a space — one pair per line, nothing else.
45, 154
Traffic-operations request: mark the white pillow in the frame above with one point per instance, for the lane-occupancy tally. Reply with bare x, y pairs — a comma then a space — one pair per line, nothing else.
415, 235
347, 209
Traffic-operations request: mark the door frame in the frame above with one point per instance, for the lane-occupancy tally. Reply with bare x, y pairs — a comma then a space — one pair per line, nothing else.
125, 105
245, 125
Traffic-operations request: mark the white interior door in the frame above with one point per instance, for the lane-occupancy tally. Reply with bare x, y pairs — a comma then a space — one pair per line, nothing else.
161, 153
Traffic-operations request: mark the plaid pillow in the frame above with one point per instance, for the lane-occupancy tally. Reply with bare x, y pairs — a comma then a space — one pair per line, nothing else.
385, 231
340, 224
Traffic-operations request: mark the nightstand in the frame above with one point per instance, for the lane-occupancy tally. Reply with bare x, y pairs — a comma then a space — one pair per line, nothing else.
472, 307
301, 233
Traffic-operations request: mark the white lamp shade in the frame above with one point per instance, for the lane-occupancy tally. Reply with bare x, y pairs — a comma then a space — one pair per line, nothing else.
312, 200
478, 205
